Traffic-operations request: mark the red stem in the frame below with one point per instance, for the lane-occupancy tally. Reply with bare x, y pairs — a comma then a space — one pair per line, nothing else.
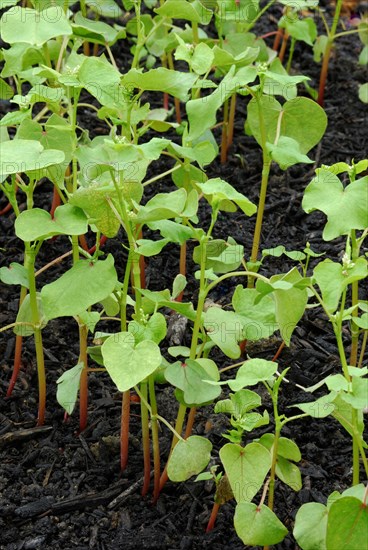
124, 430
276, 43
83, 242
6, 209
190, 422
212, 520
283, 46
102, 242
323, 75
17, 364
56, 201
83, 387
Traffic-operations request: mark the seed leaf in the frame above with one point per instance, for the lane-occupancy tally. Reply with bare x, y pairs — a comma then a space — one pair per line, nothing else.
310, 526
246, 468
129, 364
347, 524
258, 526
345, 208
35, 224
68, 386
33, 26
79, 288
189, 458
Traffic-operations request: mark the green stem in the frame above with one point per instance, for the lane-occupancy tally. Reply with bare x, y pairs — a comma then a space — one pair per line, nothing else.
140, 34
83, 386
354, 302
155, 438
291, 53
31, 256
145, 439
258, 16
264, 183
327, 53
177, 434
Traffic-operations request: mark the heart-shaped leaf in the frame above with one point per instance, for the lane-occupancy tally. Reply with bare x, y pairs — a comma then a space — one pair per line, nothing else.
35, 224
33, 26
191, 377
68, 386
292, 120
189, 458
23, 155
310, 526
345, 208
258, 525
246, 468
127, 364
251, 372
83, 285
347, 524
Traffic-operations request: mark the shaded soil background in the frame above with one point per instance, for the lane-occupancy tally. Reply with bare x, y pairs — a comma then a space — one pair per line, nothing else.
58, 488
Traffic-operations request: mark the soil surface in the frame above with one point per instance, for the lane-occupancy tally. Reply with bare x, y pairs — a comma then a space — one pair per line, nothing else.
60, 489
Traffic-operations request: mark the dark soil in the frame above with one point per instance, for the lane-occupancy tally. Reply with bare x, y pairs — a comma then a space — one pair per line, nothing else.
58, 487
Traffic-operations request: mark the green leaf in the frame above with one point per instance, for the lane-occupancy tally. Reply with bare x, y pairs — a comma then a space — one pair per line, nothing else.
6, 91
301, 29
25, 316
106, 8
90, 319
310, 526
289, 473
96, 32
147, 247
175, 232
286, 152
94, 201
251, 372
101, 80
192, 378
34, 27
218, 192
83, 285
258, 319
179, 284
68, 386
20, 155
154, 329
358, 397
292, 120
258, 525
320, 408
225, 330
129, 364
35, 224
350, 419
246, 468
221, 256
345, 208
347, 525
163, 206
15, 274
286, 448
319, 47
189, 458
239, 403
175, 83
290, 303
202, 112
332, 278
202, 59
182, 9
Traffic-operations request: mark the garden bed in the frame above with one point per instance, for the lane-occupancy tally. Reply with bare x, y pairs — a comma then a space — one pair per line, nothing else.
61, 488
